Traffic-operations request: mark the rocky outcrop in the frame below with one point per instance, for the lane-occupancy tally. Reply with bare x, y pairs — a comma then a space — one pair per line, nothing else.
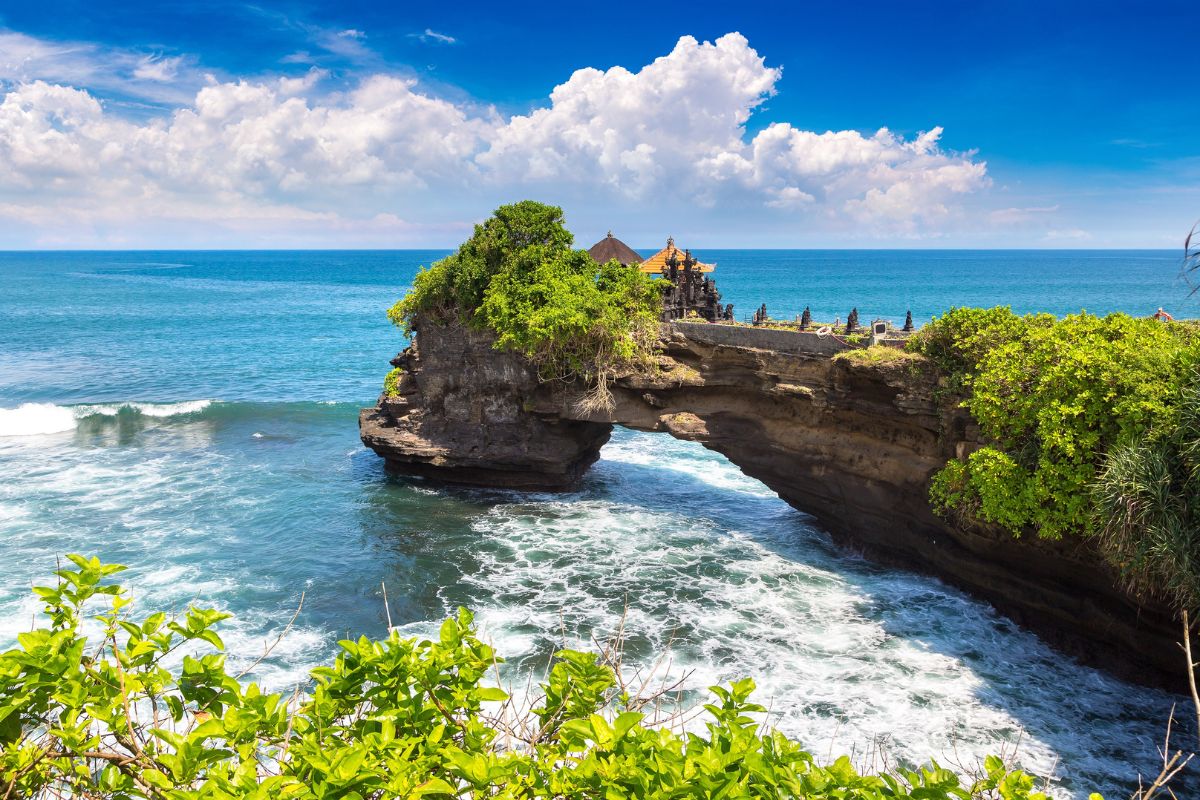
463, 415
852, 444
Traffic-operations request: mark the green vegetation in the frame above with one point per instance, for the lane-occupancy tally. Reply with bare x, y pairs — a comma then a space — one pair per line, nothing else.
877, 355
1054, 398
398, 718
1149, 498
391, 384
1051, 396
518, 277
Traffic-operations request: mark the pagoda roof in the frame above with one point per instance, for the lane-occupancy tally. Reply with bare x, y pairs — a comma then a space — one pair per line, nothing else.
611, 247
655, 264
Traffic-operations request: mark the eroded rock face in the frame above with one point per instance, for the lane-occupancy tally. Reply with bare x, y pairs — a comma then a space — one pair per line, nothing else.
463, 415
853, 445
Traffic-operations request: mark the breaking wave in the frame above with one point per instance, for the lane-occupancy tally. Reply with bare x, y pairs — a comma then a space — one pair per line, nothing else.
39, 419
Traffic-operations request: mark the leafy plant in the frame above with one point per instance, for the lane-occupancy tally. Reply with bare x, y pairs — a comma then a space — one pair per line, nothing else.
1051, 398
391, 383
518, 277
397, 718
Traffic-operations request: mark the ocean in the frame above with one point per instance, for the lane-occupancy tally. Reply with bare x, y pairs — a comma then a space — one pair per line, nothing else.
193, 416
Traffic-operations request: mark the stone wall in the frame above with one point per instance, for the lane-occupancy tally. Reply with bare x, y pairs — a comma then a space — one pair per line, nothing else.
775, 339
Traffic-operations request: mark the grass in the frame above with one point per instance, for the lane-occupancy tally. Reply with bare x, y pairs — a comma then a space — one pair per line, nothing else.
877, 355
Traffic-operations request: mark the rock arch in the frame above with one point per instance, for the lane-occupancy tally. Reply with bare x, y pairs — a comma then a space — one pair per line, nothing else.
852, 444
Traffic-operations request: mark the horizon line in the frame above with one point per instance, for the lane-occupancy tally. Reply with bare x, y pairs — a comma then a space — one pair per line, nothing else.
6, 251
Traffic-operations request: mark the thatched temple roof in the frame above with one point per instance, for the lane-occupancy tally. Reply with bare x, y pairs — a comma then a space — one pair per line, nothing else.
611, 247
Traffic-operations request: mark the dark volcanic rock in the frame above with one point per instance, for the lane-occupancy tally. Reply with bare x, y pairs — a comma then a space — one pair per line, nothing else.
854, 445
462, 416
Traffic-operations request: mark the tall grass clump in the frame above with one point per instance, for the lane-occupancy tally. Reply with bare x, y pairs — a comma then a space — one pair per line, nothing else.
1149, 502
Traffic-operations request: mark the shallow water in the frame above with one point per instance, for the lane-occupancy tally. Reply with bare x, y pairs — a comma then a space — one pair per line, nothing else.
195, 418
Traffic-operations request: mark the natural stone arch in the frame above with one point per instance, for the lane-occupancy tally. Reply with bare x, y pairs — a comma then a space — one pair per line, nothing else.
852, 444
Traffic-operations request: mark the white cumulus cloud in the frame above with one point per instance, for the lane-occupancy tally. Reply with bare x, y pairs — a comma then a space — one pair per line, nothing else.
387, 152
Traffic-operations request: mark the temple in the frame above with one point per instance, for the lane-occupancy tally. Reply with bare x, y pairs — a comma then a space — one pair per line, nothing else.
691, 293
610, 248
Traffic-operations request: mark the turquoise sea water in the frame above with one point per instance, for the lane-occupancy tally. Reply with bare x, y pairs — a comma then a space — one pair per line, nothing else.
193, 415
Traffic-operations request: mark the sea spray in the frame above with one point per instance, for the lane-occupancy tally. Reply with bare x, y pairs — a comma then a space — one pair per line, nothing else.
36, 419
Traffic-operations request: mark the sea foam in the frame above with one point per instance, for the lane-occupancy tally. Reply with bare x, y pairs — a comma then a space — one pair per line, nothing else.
33, 419
39, 419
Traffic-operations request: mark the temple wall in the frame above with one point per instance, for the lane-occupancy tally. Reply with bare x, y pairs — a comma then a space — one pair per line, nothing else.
759, 338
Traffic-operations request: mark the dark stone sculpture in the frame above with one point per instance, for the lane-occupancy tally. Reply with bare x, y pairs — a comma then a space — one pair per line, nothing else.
691, 293
908, 323
805, 319
852, 321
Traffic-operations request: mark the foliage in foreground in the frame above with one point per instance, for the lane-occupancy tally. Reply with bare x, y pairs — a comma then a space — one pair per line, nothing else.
1052, 397
518, 276
396, 718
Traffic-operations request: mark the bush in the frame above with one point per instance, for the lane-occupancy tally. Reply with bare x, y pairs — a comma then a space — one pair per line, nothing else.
1051, 398
397, 718
958, 340
518, 277
1149, 496
570, 316
457, 283
391, 384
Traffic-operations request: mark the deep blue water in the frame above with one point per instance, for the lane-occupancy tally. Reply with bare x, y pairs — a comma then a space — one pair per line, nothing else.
887, 283
193, 415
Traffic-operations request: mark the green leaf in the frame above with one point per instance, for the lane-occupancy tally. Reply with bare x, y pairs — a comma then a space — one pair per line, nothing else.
10, 725
449, 635
435, 786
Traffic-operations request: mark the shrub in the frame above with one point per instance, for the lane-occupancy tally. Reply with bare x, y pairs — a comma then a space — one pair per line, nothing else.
1051, 398
391, 384
397, 718
518, 277
570, 316
457, 283
958, 340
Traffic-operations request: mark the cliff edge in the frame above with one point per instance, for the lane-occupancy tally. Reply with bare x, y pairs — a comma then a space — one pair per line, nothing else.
853, 444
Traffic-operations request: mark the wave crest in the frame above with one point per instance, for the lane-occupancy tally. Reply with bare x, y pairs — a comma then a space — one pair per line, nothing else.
39, 419
145, 409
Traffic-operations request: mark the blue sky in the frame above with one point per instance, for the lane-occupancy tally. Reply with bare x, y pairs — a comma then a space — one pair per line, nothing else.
391, 124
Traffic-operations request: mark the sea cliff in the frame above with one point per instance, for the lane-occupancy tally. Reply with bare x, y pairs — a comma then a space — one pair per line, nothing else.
854, 444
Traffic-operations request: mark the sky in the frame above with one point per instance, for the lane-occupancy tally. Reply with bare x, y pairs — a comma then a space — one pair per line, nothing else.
803, 124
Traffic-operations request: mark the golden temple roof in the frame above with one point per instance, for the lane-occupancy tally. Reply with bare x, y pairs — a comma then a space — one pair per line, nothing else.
655, 264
